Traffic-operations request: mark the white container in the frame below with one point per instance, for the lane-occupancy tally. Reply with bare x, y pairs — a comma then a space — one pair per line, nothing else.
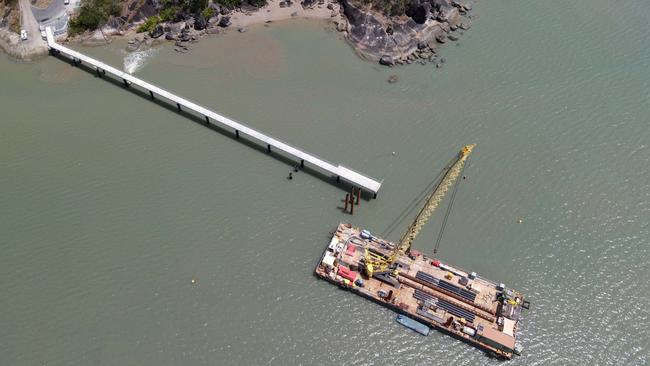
469, 331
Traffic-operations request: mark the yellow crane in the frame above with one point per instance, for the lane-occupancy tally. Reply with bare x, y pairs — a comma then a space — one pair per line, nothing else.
379, 263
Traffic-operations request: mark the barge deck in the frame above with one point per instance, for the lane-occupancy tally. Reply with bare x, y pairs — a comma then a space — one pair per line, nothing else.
476, 310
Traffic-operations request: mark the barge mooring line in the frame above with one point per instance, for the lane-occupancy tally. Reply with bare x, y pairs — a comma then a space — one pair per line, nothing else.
339, 171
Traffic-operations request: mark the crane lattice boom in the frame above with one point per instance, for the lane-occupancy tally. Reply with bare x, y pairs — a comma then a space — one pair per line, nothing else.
434, 199
377, 263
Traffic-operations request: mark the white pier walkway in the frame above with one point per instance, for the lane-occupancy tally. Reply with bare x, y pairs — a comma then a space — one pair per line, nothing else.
354, 178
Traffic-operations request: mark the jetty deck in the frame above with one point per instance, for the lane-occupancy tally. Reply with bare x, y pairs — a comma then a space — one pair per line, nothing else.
339, 171
464, 305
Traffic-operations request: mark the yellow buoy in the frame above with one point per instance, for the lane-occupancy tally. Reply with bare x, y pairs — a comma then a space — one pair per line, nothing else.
520, 221
194, 280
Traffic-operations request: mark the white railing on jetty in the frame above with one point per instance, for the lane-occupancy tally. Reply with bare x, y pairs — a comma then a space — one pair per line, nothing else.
356, 179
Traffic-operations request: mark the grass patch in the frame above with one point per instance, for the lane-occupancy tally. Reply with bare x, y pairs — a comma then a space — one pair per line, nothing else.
168, 14
149, 25
207, 13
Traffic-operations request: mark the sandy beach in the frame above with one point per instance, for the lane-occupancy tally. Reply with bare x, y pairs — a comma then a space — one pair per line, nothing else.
273, 12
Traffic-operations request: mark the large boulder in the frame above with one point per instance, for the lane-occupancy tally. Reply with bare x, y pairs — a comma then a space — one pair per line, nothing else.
450, 15
184, 37
157, 31
115, 22
224, 22
386, 60
144, 11
421, 13
199, 22
179, 17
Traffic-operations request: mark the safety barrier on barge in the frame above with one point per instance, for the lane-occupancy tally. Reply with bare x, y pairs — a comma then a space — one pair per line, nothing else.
339, 171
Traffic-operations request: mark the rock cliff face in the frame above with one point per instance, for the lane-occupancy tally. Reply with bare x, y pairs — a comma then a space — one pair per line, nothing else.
404, 38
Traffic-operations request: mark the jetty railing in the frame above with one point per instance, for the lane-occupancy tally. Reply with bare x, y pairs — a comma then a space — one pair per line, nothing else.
341, 172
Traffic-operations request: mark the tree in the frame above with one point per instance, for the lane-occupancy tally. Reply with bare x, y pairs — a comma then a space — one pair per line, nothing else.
93, 13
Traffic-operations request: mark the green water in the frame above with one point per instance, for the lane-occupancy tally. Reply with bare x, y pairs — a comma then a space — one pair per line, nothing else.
110, 204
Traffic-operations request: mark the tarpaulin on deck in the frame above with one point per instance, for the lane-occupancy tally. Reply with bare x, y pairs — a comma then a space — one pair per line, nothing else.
346, 273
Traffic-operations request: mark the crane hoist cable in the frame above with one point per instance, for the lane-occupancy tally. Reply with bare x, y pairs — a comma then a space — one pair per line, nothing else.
444, 220
380, 263
434, 200
416, 201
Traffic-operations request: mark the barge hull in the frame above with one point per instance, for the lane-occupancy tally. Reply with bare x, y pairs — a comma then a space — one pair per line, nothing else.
476, 316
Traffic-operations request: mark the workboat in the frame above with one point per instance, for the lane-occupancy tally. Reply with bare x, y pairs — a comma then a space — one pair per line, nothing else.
412, 324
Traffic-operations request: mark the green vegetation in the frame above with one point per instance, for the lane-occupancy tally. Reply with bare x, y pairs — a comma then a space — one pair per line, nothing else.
168, 14
93, 13
230, 4
207, 13
149, 25
257, 3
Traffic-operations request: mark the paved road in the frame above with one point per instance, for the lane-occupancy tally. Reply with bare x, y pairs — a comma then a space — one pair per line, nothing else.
56, 9
30, 24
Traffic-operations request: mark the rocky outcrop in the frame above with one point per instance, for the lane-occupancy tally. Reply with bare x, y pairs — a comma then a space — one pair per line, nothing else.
404, 39
140, 11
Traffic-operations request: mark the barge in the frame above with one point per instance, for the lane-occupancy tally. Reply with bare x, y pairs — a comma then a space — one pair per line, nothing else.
437, 295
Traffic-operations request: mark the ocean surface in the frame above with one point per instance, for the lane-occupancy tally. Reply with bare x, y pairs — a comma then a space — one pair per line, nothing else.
110, 204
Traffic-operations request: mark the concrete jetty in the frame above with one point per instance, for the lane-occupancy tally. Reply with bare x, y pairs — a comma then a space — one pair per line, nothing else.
339, 171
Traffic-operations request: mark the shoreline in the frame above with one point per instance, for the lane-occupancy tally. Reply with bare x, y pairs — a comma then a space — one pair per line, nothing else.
240, 20
27, 50
373, 36
11, 45
272, 12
